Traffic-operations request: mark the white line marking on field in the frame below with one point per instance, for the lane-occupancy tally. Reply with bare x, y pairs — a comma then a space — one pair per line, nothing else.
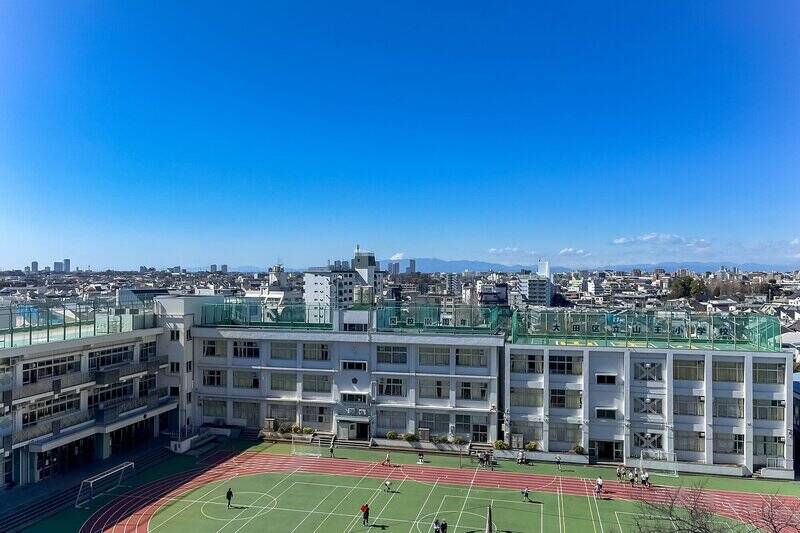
471, 483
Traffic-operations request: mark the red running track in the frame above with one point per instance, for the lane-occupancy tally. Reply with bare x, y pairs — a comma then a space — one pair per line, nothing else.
132, 512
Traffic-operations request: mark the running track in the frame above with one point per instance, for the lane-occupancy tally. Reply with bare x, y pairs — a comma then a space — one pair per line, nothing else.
131, 512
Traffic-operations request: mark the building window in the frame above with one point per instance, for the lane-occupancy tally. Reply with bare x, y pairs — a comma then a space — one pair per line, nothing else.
729, 443
689, 441
214, 378
393, 355
188, 367
686, 369
392, 420
475, 427
245, 349
438, 424
729, 408
606, 379
475, 357
648, 371
147, 351
174, 335
59, 366
355, 327
359, 366
728, 371
316, 383
110, 357
283, 382
605, 413
283, 413
688, 405
54, 407
567, 433
316, 417
434, 356
768, 446
390, 387
117, 391
769, 409
315, 352
245, 380
349, 397
566, 399
648, 441
284, 351
247, 411
215, 408
566, 364
213, 349
769, 373
527, 363
526, 397
175, 368
648, 406
472, 390
434, 388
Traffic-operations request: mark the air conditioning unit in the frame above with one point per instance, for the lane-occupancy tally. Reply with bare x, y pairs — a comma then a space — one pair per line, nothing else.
702, 434
351, 411
362, 412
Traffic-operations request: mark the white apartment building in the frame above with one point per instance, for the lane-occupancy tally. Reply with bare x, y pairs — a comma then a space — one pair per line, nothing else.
536, 289
336, 286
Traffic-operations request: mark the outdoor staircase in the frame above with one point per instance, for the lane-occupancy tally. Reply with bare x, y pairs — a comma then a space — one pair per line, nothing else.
250, 434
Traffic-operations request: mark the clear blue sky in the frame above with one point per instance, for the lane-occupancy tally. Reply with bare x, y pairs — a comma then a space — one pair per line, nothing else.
158, 133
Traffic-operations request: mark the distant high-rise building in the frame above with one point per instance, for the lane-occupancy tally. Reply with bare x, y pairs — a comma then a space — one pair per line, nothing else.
66, 265
412, 266
213, 269
34, 266
394, 269
27, 270
142, 268
58, 266
224, 269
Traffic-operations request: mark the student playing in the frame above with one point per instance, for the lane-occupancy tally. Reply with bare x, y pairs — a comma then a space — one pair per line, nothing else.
420, 459
387, 486
619, 472
520, 457
645, 478
437, 526
526, 494
558, 462
631, 479
444, 526
598, 486
365, 514
229, 497
387, 461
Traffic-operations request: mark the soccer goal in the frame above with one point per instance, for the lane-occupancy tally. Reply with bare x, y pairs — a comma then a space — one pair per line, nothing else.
308, 445
658, 462
102, 482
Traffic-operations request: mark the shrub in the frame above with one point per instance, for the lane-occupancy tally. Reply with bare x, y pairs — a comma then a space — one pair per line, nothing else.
308, 430
501, 445
410, 437
459, 440
439, 439
296, 428
392, 435
578, 449
532, 446
285, 428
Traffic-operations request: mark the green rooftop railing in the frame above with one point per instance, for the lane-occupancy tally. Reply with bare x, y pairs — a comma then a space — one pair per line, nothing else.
634, 329
454, 319
260, 315
26, 324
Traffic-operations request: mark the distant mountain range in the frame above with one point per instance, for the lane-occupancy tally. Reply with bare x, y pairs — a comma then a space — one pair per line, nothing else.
432, 264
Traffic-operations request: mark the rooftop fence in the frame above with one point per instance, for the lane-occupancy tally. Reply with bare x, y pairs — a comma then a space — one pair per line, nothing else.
26, 324
260, 315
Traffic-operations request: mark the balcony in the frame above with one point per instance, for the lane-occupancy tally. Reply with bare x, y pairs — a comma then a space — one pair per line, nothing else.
111, 411
113, 373
54, 384
54, 426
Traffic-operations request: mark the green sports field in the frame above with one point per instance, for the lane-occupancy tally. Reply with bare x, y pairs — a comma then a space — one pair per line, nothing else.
328, 498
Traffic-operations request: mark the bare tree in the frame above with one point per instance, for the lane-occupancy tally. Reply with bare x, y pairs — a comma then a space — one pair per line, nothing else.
679, 509
774, 514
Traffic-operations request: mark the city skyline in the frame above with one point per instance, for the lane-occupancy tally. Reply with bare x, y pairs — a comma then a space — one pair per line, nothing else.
507, 134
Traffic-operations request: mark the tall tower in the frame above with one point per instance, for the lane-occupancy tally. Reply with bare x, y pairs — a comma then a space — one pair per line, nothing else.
66, 265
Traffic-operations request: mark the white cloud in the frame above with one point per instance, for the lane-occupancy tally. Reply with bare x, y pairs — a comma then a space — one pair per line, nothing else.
663, 240
795, 242
580, 252
397, 256
511, 251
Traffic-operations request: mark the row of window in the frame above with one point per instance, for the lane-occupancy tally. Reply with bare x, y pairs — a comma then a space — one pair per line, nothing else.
727, 443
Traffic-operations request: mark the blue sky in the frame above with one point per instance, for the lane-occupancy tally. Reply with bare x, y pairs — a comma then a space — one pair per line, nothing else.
164, 133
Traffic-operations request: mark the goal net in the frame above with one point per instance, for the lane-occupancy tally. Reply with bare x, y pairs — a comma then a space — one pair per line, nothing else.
658, 462
112, 478
308, 445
